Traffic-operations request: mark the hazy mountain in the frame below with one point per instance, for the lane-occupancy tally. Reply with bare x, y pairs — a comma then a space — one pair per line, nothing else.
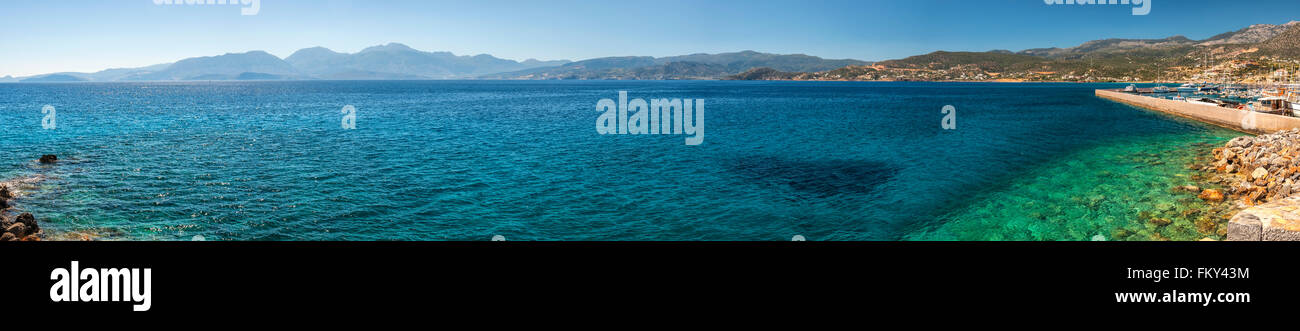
745, 60
392, 61
120, 73
100, 76
694, 66
232, 66
398, 61
53, 78
1249, 35
666, 71
535, 63
585, 69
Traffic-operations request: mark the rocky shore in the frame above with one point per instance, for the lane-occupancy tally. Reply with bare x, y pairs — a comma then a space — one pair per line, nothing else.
16, 226
1257, 169
22, 227
1259, 174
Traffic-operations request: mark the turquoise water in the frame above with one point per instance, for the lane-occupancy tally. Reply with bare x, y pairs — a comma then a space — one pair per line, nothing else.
467, 160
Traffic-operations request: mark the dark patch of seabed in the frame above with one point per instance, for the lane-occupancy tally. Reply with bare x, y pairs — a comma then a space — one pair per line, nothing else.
820, 178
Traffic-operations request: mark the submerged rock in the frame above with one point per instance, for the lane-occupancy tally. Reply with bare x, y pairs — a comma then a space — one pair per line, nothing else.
49, 158
1211, 195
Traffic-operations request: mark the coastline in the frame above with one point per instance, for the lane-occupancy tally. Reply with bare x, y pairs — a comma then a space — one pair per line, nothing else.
15, 224
1258, 172
507, 79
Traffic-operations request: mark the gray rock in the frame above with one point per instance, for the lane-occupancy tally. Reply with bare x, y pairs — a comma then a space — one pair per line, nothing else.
1241, 142
1274, 221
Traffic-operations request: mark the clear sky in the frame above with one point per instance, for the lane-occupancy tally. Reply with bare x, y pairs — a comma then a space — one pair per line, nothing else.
43, 36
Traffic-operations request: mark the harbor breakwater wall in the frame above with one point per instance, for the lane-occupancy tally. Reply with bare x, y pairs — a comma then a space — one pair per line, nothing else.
1225, 117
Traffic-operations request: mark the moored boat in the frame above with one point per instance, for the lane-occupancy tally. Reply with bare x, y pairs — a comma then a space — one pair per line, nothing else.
1203, 101
1273, 104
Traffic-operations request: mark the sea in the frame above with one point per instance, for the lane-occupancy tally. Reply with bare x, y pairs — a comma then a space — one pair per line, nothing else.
523, 160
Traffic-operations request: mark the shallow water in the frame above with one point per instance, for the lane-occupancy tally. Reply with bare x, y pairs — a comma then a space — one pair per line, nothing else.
455, 160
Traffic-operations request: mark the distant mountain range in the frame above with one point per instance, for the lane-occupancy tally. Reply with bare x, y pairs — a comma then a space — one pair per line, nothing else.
694, 66
1249, 54
387, 62
1250, 50
399, 62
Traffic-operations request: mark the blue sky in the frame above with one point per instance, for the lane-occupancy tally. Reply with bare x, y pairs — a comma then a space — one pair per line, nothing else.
42, 36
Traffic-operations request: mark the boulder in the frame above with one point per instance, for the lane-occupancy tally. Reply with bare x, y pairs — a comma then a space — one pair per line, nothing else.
1274, 221
1259, 173
49, 158
8, 237
17, 229
5, 193
1211, 195
1243, 141
30, 221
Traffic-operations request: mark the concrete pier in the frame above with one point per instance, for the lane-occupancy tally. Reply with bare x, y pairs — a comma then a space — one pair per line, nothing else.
1225, 117
1274, 221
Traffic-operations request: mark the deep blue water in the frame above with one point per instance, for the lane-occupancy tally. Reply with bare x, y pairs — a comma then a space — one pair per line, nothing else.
467, 160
